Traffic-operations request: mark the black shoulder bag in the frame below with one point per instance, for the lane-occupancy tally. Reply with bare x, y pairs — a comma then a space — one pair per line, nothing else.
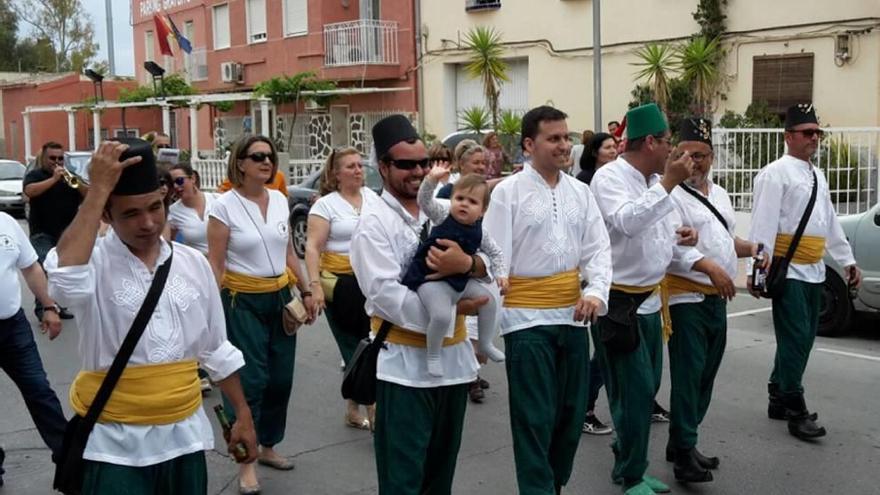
775, 284
707, 203
359, 379
69, 466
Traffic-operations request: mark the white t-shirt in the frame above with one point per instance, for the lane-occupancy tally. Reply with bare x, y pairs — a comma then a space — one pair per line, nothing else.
259, 253
186, 221
16, 253
342, 216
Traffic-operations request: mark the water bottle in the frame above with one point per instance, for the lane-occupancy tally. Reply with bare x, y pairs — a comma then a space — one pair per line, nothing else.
759, 274
240, 451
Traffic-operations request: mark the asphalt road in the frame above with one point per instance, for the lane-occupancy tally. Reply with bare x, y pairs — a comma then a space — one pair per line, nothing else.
758, 456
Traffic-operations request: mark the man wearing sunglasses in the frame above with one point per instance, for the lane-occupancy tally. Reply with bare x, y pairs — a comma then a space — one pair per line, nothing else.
419, 417
53, 204
782, 193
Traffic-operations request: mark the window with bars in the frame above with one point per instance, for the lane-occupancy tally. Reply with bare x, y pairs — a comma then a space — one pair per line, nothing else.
782, 80
470, 5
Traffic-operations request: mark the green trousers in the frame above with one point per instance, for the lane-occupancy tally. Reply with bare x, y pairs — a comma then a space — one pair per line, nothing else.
699, 336
417, 436
253, 325
795, 321
184, 475
547, 381
631, 382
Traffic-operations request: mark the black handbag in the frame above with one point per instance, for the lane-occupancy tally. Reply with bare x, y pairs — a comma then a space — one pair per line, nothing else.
774, 286
69, 466
359, 379
619, 328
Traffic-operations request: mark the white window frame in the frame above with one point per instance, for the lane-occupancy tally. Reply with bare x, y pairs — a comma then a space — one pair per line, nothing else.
214, 40
264, 36
287, 32
149, 46
132, 132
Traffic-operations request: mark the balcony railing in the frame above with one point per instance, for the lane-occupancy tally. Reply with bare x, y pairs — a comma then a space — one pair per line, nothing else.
470, 5
361, 42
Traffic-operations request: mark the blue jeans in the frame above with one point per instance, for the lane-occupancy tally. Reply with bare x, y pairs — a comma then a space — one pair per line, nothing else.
42, 243
21, 361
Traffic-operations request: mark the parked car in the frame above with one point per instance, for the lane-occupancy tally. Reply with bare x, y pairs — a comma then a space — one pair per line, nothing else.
838, 307
12, 199
303, 195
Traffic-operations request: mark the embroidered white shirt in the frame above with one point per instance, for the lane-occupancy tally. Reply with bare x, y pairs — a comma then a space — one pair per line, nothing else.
641, 221
186, 221
188, 323
782, 191
545, 230
342, 218
714, 242
382, 246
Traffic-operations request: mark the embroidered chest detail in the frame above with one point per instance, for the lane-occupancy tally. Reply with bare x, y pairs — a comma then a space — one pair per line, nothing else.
180, 292
130, 296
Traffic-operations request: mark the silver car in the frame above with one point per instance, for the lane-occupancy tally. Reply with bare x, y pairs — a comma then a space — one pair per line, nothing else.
838, 305
12, 200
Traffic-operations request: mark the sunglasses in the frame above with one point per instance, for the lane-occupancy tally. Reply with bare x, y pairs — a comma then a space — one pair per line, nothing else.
55, 158
179, 181
259, 156
809, 133
411, 164
163, 146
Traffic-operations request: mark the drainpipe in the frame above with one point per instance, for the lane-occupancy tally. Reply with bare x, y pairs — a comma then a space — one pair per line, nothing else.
420, 81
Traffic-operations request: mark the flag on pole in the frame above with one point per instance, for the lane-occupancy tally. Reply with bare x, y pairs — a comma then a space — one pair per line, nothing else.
182, 42
163, 31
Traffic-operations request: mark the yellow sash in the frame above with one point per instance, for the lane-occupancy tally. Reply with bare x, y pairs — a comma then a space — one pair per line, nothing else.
810, 250
336, 263
402, 336
554, 291
248, 284
154, 394
681, 285
663, 287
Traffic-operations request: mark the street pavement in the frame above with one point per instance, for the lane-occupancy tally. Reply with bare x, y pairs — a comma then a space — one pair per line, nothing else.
758, 456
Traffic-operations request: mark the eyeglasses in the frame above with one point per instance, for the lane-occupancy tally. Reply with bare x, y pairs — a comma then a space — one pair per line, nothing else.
809, 133
259, 156
700, 156
404, 164
179, 181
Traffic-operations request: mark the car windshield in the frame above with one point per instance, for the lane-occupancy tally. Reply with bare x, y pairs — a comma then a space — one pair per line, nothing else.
10, 171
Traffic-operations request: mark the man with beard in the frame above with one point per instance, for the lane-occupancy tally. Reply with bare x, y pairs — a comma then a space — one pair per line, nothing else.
419, 417
782, 192
698, 302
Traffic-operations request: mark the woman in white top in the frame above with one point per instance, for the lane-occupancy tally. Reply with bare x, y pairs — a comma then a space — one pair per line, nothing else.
332, 220
252, 256
188, 216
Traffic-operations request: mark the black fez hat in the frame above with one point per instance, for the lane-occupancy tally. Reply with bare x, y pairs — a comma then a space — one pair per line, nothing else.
696, 129
390, 131
802, 113
142, 177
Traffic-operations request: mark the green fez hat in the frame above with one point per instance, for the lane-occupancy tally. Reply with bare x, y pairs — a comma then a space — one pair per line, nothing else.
645, 120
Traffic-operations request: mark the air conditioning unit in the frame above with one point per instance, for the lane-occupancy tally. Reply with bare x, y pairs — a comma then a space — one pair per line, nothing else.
232, 72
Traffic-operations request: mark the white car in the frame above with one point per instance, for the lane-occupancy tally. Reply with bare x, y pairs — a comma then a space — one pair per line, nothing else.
12, 200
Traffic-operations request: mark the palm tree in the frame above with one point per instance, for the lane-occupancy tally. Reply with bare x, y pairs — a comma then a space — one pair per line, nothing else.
486, 64
473, 119
657, 64
698, 61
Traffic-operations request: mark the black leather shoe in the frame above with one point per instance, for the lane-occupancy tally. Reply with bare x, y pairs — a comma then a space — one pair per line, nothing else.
804, 427
475, 392
704, 461
2, 458
688, 470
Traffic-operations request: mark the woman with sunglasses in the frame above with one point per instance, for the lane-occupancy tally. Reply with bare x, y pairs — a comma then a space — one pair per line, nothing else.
188, 216
251, 253
332, 220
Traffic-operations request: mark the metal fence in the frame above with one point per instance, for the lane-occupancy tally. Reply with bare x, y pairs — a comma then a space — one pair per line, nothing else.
212, 172
365, 41
849, 157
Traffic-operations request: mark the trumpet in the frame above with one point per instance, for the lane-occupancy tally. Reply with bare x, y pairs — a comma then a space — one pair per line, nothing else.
70, 178
75, 170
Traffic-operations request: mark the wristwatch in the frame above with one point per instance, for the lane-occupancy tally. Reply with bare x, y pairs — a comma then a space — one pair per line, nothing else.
53, 307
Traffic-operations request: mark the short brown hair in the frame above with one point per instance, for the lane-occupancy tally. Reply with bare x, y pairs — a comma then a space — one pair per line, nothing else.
470, 182
439, 151
239, 152
329, 183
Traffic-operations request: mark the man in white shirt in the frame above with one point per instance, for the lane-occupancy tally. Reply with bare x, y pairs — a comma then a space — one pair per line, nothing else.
419, 417
153, 432
19, 356
643, 225
698, 302
782, 191
551, 232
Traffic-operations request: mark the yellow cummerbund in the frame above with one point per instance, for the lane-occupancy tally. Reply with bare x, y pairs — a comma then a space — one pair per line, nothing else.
336, 263
402, 336
810, 250
554, 291
663, 287
248, 284
682, 285
153, 394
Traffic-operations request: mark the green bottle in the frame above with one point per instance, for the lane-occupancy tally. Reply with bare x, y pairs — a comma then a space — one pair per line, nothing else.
240, 451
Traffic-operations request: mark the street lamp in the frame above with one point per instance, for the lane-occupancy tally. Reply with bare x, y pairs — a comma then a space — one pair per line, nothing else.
158, 74
97, 81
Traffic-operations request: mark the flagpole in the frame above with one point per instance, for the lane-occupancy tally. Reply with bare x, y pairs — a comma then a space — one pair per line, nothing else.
111, 58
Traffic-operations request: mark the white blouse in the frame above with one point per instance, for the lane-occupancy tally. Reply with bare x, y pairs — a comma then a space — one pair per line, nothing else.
342, 216
192, 228
16, 253
188, 323
256, 247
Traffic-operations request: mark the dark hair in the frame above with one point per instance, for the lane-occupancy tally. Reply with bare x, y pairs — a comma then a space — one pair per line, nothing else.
187, 169
49, 145
591, 151
239, 152
533, 118
637, 144
613, 122
470, 182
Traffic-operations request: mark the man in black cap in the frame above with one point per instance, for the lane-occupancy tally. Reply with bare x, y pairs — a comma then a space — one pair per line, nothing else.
419, 417
782, 194
152, 434
698, 301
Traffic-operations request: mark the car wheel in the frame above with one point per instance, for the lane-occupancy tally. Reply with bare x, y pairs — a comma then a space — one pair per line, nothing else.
298, 229
836, 310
